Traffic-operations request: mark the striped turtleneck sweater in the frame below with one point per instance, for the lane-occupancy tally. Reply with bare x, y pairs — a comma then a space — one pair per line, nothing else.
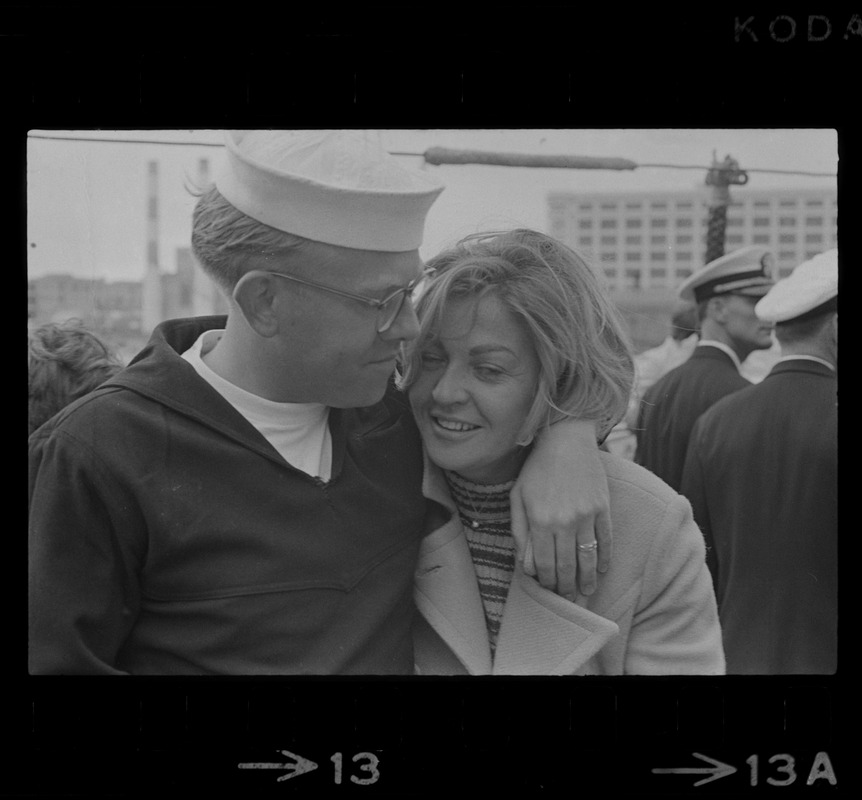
486, 516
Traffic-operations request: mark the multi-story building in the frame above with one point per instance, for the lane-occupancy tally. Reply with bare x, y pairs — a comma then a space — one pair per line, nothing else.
119, 305
654, 240
94, 301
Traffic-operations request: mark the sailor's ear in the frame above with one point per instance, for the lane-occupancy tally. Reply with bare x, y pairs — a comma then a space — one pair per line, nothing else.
256, 294
717, 308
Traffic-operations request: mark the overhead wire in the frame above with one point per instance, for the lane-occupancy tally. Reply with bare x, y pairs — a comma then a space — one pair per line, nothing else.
632, 312
417, 155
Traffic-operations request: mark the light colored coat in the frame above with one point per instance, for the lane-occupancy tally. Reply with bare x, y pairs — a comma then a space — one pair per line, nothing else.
653, 612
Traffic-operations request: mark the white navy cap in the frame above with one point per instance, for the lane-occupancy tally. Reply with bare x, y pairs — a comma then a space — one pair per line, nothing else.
812, 288
337, 187
744, 271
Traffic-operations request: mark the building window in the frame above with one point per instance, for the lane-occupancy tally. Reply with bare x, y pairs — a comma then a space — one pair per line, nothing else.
683, 222
658, 272
683, 273
609, 257
814, 220
682, 255
760, 238
760, 222
761, 203
632, 256
585, 241
659, 239
585, 224
658, 223
787, 222
633, 278
633, 239
784, 272
684, 239
786, 255
813, 238
658, 205
657, 255
811, 254
608, 206
733, 238
787, 238
734, 222
813, 203
609, 240
634, 206
787, 204
633, 223
681, 206
609, 223
610, 272
585, 207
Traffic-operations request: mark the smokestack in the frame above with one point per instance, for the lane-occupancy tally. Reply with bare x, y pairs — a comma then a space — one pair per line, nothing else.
203, 172
153, 215
151, 313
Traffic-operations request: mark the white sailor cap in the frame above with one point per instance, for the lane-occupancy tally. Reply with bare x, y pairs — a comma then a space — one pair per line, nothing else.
744, 271
337, 187
811, 289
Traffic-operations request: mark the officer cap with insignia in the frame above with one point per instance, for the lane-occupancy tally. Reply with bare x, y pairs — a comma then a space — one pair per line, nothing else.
745, 271
811, 289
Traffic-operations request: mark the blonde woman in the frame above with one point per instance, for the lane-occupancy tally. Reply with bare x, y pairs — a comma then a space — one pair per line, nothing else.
516, 334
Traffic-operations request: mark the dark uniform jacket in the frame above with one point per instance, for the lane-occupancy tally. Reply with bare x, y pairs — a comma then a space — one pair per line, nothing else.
167, 536
761, 474
671, 406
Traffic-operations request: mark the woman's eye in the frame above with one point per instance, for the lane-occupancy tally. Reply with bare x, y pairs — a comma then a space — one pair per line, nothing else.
488, 372
430, 360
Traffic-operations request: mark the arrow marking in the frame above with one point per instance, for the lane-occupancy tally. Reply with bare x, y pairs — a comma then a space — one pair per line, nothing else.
299, 766
718, 770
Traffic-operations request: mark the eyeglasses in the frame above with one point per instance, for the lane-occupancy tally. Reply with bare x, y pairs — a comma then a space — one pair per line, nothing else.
388, 308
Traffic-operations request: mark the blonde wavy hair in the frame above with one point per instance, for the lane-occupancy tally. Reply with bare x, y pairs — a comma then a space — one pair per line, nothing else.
584, 352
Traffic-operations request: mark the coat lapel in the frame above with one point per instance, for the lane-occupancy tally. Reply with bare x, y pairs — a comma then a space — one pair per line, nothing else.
447, 595
544, 634
541, 633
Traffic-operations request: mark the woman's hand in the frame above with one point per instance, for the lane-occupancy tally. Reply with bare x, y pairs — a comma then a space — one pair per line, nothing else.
560, 510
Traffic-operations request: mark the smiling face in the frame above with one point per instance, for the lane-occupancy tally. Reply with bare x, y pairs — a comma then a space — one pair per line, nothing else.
476, 384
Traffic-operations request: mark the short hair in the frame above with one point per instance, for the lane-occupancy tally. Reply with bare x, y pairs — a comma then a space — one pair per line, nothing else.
66, 361
228, 243
586, 367
796, 331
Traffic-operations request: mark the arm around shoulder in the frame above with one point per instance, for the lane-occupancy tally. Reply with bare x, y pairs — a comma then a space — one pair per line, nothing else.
561, 500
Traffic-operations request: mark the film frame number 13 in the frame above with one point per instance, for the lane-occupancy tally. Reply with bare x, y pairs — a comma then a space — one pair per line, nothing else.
370, 766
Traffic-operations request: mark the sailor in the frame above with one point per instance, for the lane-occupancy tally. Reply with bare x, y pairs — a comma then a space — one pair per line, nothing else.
761, 474
725, 292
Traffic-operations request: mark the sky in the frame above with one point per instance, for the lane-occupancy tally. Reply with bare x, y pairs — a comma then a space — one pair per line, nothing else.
87, 201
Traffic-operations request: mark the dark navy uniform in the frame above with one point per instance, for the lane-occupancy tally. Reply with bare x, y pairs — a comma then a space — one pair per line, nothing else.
672, 405
761, 474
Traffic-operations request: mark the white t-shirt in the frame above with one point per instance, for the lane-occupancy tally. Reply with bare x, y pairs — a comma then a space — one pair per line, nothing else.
298, 431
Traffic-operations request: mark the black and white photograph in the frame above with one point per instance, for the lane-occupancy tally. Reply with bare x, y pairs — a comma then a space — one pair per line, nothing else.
459, 424
395, 452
